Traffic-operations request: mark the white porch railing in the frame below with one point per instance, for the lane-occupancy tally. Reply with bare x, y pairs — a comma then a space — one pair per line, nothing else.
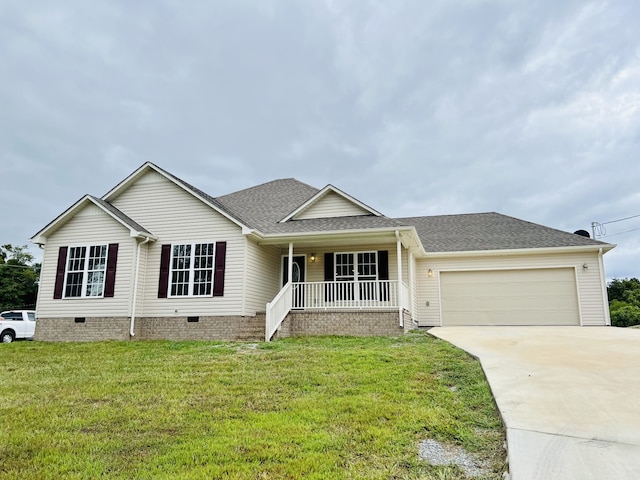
277, 310
360, 295
350, 295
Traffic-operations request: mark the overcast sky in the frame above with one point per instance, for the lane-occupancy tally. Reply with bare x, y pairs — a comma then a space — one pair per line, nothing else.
531, 109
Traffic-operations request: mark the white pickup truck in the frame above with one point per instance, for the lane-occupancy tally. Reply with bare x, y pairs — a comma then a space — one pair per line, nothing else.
17, 324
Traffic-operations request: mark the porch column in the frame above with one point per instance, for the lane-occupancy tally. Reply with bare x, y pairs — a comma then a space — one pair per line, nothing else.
290, 268
399, 255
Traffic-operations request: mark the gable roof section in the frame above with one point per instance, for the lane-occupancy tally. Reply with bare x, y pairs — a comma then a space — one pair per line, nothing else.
262, 206
492, 231
320, 195
135, 229
196, 192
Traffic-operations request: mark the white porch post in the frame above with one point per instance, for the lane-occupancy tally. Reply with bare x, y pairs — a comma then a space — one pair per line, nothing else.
290, 268
399, 255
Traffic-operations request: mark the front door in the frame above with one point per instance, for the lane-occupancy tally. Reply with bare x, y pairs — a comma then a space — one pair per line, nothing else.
299, 270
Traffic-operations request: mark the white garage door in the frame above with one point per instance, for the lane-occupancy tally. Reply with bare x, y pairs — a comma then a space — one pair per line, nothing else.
510, 297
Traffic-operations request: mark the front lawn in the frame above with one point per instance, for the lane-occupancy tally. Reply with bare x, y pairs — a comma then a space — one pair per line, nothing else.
324, 408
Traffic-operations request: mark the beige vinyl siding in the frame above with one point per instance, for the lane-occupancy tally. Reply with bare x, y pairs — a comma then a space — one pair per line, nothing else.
591, 304
332, 205
175, 216
90, 226
262, 278
142, 277
533, 296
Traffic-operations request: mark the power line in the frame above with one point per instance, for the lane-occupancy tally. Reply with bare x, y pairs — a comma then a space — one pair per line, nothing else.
598, 229
620, 233
620, 220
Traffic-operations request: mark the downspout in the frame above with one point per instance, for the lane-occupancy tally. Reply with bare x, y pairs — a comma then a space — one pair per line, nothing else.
399, 255
603, 283
135, 288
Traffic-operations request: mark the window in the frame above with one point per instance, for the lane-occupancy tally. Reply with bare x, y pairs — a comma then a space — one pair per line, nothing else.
192, 268
356, 267
86, 271
361, 266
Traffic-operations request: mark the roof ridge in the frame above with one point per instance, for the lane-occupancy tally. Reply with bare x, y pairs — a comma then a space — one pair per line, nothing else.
270, 182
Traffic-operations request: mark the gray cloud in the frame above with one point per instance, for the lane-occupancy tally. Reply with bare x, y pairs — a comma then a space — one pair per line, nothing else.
415, 108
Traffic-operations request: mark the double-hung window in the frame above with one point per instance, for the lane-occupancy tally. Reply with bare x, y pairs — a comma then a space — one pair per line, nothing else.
192, 270
85, 273
358, 267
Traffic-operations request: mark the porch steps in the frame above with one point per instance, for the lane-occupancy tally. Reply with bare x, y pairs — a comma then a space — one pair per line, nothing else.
253, 329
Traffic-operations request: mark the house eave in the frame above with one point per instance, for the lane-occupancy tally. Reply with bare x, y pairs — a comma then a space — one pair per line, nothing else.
40, 238
520, 251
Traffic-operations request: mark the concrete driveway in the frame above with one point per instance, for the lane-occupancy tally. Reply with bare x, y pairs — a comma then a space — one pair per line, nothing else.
569, 397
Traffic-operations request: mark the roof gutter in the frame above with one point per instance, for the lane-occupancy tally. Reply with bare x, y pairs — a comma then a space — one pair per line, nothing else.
135, 288
520, 251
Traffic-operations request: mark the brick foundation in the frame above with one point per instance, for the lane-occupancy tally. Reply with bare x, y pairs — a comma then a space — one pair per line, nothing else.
347, 323
91, 330
234, 328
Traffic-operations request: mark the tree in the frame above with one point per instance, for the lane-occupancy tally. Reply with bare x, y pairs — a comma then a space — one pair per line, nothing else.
624, 301
19, 277
617, 288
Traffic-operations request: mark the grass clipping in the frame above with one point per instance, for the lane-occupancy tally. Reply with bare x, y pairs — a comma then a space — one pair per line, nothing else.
297, 408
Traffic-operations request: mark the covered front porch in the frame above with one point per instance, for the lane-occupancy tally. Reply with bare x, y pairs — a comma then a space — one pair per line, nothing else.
370, 279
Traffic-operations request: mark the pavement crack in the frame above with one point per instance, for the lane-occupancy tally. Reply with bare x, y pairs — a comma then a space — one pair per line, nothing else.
576, 437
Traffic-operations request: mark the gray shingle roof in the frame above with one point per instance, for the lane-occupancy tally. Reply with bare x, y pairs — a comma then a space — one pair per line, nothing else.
490, 231
263, 206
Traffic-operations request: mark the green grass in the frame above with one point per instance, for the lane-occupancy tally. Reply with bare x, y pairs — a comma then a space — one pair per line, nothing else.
319, 408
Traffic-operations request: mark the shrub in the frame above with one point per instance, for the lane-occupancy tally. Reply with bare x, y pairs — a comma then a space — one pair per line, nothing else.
625, 315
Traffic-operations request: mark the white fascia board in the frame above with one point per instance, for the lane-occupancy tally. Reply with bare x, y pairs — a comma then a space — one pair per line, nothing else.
41, 237
322, 193
308, 237
519, 251
150, 166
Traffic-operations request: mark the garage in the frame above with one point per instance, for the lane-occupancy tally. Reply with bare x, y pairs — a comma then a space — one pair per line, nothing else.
545, 296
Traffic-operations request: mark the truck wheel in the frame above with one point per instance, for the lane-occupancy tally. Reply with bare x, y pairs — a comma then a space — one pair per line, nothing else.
7, 336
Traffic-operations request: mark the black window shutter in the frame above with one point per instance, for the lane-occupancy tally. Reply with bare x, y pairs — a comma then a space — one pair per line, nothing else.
218, 273
383, 265
112, 261
329, 276
163, 284
329, 273
383, 273
62, 264
285, 270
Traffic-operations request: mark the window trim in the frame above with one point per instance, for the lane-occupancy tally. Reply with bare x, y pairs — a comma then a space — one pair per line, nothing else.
355, 276
85, 271
191, 270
